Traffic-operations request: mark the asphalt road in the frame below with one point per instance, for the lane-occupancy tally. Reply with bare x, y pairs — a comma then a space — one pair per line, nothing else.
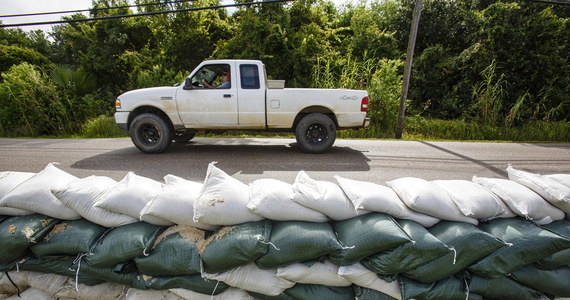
251, 159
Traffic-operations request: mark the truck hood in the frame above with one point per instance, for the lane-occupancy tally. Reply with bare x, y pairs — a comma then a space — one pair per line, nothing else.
150, 96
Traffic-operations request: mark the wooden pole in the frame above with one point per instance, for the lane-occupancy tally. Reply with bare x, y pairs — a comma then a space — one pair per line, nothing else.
408, 68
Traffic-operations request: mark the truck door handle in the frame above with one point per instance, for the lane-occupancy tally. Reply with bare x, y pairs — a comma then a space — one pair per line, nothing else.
227, 95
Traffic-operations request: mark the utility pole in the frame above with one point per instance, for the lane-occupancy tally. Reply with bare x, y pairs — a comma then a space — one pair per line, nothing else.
408, 68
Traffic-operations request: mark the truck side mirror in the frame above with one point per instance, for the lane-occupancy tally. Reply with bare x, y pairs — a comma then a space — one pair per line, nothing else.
188, 84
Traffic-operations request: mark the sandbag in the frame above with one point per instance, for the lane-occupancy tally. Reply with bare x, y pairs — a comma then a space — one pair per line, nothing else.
223, 200
521, 200
32, 293
175, 203
82, 194
424, 248
123, 243
366, 235
560, 178
175, 252
273, 199
474, 201
135, 294
252, 278
528, 244
297, 241
367, 196
553, 282
69, 238
551, 190
323, 196
235, 246
229, 294
313, 291
60, 265
13, 282
315, 272
17, 234
103, 291
195, 283
469, 244
363, 277
368, 294
124, 274
448, 289
35, 195
50, 284
561, 258
8, 181
503, 288
130, 196
428, 198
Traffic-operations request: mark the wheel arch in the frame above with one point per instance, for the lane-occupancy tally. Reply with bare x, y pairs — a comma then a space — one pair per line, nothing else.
149, 109
315, 109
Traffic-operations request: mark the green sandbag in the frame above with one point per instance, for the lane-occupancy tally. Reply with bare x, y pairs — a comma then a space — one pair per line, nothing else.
528, 244
362, 293
259, 296
561, 258
3, 218
366, 235
17, 234
298, 241
122, 244
69, 238
175, 253
60, 265
554, 282
194, 283
127, 277
469, 243
424, 248
448, 289
315, 291
235, 246
503, 288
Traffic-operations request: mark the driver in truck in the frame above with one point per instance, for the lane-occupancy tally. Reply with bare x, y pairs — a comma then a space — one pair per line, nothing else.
226, 84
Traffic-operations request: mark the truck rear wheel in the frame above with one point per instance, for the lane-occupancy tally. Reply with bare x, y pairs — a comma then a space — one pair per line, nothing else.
315, 133
150, 133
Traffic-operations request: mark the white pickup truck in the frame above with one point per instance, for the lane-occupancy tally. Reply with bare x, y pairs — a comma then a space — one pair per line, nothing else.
236, 95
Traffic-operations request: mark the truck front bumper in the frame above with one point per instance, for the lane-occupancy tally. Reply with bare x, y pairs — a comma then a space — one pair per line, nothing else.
122, 118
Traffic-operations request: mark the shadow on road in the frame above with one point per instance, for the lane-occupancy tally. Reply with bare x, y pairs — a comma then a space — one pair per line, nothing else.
190, 160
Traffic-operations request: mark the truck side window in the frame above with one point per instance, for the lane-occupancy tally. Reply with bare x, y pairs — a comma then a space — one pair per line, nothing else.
249, 77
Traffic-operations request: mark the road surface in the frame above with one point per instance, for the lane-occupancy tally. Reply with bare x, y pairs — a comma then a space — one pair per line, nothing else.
250, 159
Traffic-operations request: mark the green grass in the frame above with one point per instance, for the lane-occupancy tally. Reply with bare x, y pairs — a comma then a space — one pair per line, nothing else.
102, 127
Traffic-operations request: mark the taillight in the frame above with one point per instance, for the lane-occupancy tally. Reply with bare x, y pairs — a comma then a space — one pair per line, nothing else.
364, 104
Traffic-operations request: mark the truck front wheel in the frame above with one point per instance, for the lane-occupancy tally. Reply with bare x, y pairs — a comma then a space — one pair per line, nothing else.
150, 133
315, 133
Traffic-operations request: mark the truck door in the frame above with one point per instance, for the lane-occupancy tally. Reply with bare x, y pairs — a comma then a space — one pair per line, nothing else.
211, 102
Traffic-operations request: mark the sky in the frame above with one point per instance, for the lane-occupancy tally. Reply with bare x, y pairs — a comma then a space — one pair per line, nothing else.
8, 7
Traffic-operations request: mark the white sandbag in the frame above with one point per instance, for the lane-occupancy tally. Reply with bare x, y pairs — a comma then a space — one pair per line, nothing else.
428, 198
50, 284
130, 195
522, 201
35, 195
223, 200
103, 291
369, 196
325, 197
229, 294
134, 294
82, 194
359, 275
32, 294
253, 279
9, 181
323, 273
473, 200
560, 178
272, 199
175, 203
19, 278
551, 190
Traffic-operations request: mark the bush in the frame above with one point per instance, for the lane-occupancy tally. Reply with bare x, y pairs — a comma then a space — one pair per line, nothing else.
102, 127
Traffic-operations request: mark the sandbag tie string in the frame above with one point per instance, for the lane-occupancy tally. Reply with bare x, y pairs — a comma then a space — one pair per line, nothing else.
78, 262
454, 254
13, 283
268, 243
214, 291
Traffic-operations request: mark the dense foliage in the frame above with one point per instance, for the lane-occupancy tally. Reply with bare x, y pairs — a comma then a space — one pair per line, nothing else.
495, 63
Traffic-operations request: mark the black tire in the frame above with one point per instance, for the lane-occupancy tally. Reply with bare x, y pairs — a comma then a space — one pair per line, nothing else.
150, 133
315, 133
184, 137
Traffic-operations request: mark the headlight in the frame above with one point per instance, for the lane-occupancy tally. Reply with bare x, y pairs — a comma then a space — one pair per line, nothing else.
118, 103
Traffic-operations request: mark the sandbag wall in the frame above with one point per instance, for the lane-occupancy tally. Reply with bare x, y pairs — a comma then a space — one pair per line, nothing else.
74, 238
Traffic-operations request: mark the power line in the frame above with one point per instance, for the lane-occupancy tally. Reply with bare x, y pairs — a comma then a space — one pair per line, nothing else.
93, 9
142, 14
561, 2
